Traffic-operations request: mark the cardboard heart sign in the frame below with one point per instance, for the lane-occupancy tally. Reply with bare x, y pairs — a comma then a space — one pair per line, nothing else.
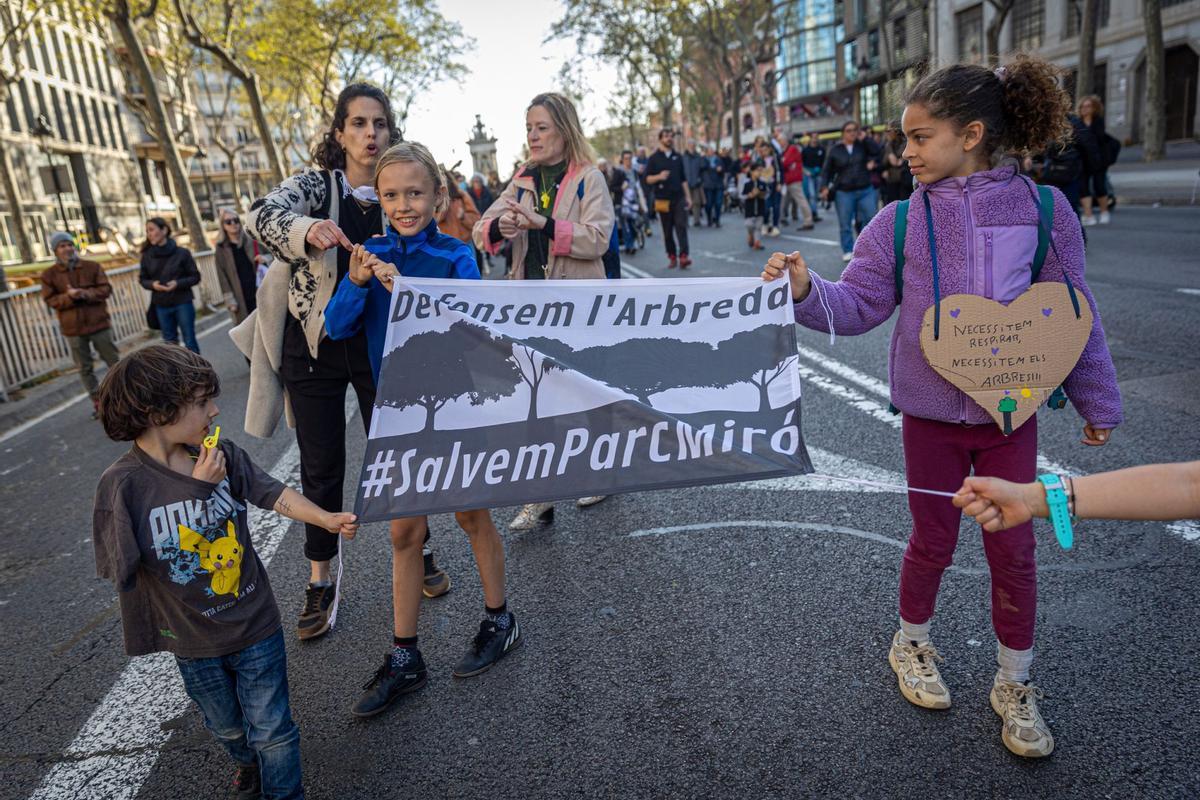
1008, 358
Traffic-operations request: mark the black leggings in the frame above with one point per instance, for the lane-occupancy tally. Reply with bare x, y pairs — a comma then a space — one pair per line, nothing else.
675, 221
1095, 184
316, 389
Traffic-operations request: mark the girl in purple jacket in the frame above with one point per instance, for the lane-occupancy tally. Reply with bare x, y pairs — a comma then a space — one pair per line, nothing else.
984, 220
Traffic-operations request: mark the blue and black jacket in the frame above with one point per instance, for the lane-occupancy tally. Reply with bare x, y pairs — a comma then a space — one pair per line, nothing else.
429, 254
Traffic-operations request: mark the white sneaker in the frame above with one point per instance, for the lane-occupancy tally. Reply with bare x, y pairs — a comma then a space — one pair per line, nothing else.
1105, 218
531, 516
1089, 221
917, 673
591, 500
847, 256
1024, 732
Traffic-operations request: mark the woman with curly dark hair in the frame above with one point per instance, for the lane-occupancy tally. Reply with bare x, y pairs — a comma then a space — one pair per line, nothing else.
975, 225
310, 222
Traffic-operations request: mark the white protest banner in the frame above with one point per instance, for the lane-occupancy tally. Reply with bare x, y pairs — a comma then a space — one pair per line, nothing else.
497, 393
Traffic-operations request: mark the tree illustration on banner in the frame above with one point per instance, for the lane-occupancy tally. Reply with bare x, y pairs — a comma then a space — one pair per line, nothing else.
533, 359
430, 369
755, 351
645, 367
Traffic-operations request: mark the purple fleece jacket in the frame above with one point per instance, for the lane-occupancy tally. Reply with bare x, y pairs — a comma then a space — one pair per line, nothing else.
986, 231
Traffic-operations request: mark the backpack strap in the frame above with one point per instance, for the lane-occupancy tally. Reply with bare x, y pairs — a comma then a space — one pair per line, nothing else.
1045, 225
899, 233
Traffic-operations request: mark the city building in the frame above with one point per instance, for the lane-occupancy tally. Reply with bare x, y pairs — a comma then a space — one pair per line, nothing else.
884, 49
1050, 28
70, 140
806, 67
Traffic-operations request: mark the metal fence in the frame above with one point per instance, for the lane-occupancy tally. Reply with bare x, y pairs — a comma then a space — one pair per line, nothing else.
32, 346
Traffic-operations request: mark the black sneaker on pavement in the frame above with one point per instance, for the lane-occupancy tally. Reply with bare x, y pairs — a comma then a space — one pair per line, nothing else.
247, 782
490, 645
314, 618
388, 683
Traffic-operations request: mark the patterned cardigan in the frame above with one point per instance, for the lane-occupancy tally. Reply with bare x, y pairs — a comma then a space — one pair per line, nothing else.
300, 282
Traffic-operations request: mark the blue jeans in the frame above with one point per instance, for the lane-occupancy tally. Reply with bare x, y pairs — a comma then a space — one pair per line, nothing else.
629, 223
173, 318
244, 698
851, 204
811, 180
774, 204
713, 199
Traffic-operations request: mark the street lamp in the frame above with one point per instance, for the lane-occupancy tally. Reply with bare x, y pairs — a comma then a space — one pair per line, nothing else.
202, 157
44, 133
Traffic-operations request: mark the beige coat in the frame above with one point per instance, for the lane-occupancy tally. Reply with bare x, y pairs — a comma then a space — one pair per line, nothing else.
227, 272
582, 225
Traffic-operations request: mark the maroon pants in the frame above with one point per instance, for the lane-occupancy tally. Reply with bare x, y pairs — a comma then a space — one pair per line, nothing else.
938, 455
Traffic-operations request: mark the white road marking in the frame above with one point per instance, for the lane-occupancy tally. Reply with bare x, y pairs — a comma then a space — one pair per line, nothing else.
634, 271
831, 464
64, 405
45, 415
726, 257
1189, 291
118, 746
810, 240
879, 388
1187, 529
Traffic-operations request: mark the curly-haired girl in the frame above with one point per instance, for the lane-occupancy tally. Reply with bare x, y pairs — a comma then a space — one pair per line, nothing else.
973, 227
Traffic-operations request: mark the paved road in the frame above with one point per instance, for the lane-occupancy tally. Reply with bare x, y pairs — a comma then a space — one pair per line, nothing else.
723, 641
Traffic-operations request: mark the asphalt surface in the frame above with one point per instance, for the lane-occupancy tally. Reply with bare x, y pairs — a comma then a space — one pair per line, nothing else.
743, 660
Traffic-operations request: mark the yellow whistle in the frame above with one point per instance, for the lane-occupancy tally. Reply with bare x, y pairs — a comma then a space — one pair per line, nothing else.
211, 441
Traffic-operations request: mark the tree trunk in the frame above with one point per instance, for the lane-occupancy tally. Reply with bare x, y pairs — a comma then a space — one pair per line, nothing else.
189, 210
995, 27
430, 410
1086, 76
233, 185
1154, 122
735, 102
15, 207
532, 404
254, 97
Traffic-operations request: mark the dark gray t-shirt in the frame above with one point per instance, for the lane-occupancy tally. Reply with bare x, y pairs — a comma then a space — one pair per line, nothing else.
179, 552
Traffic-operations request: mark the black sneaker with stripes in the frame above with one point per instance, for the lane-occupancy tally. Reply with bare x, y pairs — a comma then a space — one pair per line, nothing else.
491, 644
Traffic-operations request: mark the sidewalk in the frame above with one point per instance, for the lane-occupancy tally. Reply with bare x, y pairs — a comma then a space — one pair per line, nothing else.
64, 389
1170, 181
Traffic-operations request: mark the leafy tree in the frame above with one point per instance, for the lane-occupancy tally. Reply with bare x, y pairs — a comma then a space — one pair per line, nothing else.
645, 36
753, 357
644, 367
222, 29
534, 358
129, 19
728, 40
431, 369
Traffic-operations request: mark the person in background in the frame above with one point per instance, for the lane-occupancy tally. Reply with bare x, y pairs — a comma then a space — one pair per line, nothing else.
754, 207
768, 174
664, 173
558, 214
793, 181
170, 272
481, 195
897, 180
458, 216
712, 179
312, 221
78, 291
847, 174
238, 258
1095, 176
813, 156
640, 162
693, 163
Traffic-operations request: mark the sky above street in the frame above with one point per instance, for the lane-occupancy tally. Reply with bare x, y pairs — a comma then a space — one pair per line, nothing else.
508, 64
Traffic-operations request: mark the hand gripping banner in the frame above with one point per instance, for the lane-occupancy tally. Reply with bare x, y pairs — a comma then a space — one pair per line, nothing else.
497, 393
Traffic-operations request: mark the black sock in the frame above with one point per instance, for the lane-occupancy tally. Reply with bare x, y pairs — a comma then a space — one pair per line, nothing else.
404, 641
498, 616
404, 651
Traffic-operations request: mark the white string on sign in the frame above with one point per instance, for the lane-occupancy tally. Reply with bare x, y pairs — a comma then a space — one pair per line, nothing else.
824, 305
893, 486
